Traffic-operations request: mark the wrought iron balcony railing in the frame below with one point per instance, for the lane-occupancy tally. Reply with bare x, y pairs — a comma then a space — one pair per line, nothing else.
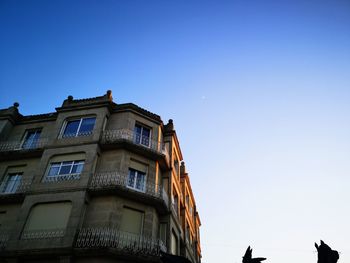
43, 233
61, 178
113, 238
79, 134
6, 146
113, 136
4, 237
15, 186
111, 179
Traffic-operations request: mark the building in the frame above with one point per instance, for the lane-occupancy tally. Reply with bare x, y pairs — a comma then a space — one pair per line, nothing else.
94, 181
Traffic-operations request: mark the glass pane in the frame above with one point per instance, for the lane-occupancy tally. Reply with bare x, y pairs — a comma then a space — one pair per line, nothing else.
37, 134
71, 128
137, 134
140, 181
31, 139
77, 167
65, 168
131, 178
137, 129
12, 183
145, 136
146, 132
87, 125
53, 170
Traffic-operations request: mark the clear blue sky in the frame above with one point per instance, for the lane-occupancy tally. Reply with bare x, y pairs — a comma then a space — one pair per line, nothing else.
258, 90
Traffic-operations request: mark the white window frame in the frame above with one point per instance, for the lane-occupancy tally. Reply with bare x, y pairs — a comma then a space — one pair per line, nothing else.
137, 173
15, 186
67, 176
77, 132
150, 135
25, 136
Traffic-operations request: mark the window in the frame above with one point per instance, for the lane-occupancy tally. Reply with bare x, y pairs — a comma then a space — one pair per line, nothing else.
188, 235
174, 249
11, 183
47, 220
175, 201
142, 135
132, 221
31, 139
176, 165
79, 127
136, 180
66, 170
162, 232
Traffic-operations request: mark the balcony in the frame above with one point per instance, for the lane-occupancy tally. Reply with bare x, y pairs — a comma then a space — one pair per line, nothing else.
13, 149
128, 243
116, 182
137, 143
14, 189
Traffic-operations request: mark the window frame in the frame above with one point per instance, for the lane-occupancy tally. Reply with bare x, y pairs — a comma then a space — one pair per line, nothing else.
142, 214
68, 176
137, 172
6, 182
64, 126
175, 205
29, 232
141, 135
23, 141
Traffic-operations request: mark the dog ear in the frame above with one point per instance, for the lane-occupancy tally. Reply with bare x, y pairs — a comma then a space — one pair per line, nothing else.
316, 246
322, 243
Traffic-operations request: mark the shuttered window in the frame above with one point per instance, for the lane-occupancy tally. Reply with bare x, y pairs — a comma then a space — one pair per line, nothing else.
174, 241
132, 221
51, 216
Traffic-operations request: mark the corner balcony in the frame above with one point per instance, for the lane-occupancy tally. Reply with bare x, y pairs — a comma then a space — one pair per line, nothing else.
13, 190
117, 183
118, 242
134, 142
18, 149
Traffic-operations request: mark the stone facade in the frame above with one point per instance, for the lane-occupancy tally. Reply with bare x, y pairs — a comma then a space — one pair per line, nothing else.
94, 181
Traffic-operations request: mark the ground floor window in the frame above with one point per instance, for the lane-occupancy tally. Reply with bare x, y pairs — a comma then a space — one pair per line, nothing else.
47, 220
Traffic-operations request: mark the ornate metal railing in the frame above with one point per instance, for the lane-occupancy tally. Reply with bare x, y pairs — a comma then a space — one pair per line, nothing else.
61, 178
113, 136
6, 146
15, 186
40, 234
79, 134
113, 238
111, 179
4, 237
